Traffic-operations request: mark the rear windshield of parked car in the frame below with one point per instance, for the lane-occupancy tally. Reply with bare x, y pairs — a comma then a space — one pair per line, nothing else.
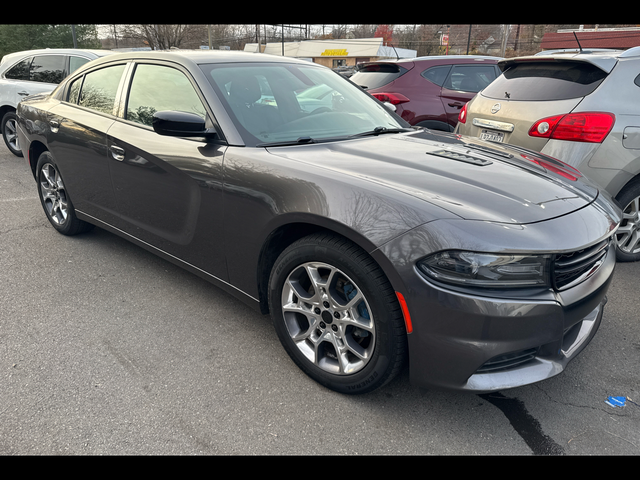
374, 76
545, 81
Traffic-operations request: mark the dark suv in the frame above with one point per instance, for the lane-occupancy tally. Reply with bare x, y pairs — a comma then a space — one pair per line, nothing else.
428, 91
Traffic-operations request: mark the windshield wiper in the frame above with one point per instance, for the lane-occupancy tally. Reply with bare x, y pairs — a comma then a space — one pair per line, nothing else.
299, 141
380, 130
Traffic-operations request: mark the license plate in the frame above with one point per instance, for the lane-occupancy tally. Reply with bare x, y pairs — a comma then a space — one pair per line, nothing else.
492, 136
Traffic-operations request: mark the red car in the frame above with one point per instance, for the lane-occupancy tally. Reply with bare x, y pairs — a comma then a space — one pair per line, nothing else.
428, 91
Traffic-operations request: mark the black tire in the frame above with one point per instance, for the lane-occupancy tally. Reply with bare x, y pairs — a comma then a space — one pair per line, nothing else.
10, 133
361, 314
55, 199
628, 234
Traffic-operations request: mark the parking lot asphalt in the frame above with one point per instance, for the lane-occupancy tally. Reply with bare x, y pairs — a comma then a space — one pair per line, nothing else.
106, 349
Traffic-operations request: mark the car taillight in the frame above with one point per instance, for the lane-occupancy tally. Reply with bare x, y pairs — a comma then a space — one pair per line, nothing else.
462, 116
392, 98
575, 127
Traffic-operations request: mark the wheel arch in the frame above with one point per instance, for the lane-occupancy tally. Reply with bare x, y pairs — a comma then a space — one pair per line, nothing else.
4, 109
35, 150
283, 235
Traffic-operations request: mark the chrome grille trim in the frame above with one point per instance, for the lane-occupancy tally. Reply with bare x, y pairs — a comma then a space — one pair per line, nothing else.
569, 269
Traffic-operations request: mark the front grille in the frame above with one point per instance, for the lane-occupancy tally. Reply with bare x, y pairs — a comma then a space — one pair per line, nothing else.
508, 360
574, 267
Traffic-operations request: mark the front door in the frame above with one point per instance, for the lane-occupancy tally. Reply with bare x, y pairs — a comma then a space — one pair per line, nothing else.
168, 189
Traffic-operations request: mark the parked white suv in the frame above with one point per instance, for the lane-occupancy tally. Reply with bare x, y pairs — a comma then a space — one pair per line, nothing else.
30, 72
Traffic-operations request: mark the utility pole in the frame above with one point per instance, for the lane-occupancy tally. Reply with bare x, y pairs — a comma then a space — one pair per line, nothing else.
505, 37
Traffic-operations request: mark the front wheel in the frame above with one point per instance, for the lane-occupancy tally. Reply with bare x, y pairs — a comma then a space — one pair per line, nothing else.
10, 133
55, 199
628, 233
336, 314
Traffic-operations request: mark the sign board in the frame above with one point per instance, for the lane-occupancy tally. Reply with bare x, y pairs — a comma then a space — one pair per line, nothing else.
335, 52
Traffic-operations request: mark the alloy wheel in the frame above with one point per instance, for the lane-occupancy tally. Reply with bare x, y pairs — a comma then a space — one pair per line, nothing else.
54, 195
328, 318
628, 234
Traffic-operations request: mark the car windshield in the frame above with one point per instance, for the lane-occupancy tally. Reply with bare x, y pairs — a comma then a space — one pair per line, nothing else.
289, 103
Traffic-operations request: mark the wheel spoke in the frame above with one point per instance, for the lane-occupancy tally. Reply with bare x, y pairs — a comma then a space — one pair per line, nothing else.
328, 318
53, 194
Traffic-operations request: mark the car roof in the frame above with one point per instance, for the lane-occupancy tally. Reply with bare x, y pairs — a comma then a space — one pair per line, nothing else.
605, 59
205, 56
428, 58
12, 57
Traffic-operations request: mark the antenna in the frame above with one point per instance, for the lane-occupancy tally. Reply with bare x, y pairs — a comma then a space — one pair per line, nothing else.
579, 46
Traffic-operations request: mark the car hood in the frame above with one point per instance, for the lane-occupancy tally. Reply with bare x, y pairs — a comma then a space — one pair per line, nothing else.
472, 179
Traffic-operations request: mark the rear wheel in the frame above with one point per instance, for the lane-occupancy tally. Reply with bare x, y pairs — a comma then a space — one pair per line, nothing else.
336, 314
628, 234
55, 199
10, 133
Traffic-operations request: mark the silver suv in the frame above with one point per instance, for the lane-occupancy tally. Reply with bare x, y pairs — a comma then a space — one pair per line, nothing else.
582, 108
30, 72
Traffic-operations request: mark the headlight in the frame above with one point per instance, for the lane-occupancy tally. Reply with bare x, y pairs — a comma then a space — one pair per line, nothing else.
487, 270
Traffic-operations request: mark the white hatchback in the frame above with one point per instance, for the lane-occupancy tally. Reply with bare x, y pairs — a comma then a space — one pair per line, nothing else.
31, 72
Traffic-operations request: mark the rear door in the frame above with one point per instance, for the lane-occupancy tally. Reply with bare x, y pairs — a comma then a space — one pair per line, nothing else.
525, 93
78, 139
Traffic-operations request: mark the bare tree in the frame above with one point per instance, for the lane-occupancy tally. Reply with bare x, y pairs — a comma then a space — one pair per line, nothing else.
161, 36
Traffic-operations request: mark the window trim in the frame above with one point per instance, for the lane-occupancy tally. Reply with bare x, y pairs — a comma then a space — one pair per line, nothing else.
63, 94
127, 80
130, 75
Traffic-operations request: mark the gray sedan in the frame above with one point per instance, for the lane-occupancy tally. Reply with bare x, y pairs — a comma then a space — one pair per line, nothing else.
369, 242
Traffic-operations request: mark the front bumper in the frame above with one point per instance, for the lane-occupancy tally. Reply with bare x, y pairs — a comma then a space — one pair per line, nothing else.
484, 344
481, 342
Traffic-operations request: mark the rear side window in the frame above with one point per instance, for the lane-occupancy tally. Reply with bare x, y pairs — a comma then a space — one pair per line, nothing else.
437, 75
48, 69
470, 78
374, 76
98, 91
546, 81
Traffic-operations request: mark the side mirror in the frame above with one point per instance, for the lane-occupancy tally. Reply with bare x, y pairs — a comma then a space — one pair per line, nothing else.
180, 124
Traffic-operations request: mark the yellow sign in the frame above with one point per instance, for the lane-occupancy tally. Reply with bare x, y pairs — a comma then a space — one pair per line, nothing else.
335, 52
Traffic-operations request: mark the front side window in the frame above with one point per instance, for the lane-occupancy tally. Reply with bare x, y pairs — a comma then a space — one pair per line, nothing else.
48, 69
156, 88
99, 89
20, 71
76, 62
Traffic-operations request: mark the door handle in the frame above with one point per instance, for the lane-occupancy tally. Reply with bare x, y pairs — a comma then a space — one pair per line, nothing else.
117, 152
23, 93
456, 104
